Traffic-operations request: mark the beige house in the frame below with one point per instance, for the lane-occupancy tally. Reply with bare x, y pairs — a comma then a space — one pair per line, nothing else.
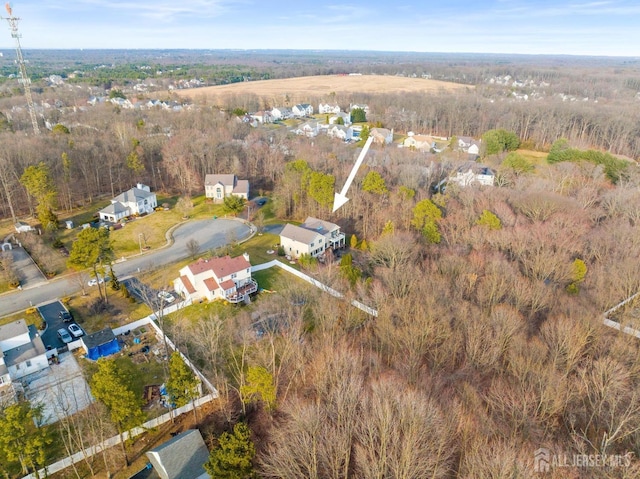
22, 351
313, 237
381, 136
218, 187
217, 278
419, 142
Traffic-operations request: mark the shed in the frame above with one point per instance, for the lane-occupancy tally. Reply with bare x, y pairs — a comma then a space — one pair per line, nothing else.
100, 344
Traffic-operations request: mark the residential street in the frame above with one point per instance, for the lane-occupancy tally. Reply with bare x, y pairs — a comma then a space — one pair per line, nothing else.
209, 234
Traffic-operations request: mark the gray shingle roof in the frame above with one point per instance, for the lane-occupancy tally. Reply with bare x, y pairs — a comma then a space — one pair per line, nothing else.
224, 179
297, 233
99, 338
182, 457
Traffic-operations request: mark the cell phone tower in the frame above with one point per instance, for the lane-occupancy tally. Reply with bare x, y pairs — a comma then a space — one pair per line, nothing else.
24, 78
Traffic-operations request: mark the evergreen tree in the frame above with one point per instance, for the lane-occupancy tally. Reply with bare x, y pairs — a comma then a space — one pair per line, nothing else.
233, 457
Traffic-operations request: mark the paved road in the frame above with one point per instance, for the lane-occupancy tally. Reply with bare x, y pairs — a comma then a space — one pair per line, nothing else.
209, 234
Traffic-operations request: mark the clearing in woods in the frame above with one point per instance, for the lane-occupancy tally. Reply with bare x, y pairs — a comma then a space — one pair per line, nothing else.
299, 89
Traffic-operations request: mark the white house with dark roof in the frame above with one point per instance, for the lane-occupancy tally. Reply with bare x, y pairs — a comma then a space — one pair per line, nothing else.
346, 118
308, 129
136, 201
281, 113
313, 237
22, 351
472, 173
302, 109
218, 187
217, 278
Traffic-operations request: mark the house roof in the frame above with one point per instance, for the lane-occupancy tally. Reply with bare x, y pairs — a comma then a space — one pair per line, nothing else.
211, 284
13, 329
475, 168
27, 351
220, 266
182, 457
187, 284
114, 209
299, 234
99, 338
380, 131
134, 194
227, 285
319, 226
242, 187
229, 180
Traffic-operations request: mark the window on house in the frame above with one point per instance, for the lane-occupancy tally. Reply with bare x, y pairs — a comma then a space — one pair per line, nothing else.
28, 364
233, 275
17, 367
312, 245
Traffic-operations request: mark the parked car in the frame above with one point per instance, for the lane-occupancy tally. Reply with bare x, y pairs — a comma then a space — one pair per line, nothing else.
165, 296
261, 201
75, 330
65, 316
64, 336
98, 280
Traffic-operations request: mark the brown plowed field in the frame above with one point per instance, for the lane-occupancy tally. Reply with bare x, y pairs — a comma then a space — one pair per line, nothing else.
298, 89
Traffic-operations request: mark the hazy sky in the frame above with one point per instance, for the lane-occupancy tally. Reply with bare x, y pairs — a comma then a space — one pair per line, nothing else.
483, 26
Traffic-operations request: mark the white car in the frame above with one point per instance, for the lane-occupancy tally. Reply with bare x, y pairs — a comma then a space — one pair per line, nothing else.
168, 297
98, 280
75, 330
64, 336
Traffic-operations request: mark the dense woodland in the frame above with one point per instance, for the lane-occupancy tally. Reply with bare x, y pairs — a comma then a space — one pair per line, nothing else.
489, 341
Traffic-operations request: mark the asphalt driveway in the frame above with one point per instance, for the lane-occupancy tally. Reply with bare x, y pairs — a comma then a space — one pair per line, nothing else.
49, 313
28, 273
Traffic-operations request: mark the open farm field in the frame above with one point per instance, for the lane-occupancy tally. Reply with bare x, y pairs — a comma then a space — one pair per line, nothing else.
298, 89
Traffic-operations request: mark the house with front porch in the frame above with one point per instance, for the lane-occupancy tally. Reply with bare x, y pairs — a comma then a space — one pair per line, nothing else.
136, 201
313, 237
22, 351
217, 278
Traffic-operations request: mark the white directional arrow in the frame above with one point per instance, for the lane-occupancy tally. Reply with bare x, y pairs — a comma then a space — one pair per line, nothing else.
341, 198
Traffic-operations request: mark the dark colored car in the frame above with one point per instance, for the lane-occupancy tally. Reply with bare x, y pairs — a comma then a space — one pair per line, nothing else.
261, 201
65, 316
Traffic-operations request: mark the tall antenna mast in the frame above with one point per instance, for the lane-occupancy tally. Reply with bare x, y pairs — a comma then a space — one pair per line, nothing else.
24, 78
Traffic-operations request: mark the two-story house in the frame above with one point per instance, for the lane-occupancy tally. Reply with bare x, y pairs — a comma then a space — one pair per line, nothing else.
381, 136
302, 109
136, 201
313, 237
309, 129
217, 278
22, 351
328, 108
419, 142
281, 113
472, 173
218, 187
340, 131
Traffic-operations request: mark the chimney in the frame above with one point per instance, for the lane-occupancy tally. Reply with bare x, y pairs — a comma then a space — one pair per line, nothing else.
246, 256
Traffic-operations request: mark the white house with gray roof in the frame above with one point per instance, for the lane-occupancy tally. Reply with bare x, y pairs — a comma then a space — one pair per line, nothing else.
313, 237
302, 109
218, 187
22, 351
136, 201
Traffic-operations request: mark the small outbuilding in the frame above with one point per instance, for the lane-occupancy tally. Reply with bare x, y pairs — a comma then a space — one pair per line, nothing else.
100, 344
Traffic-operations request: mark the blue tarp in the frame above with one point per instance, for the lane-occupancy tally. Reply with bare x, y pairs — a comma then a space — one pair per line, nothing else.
103, 350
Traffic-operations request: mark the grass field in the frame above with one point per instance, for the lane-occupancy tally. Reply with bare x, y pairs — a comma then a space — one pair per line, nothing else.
299, 89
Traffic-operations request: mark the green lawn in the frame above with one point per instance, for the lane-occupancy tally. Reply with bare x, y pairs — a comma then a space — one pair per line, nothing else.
257, 248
